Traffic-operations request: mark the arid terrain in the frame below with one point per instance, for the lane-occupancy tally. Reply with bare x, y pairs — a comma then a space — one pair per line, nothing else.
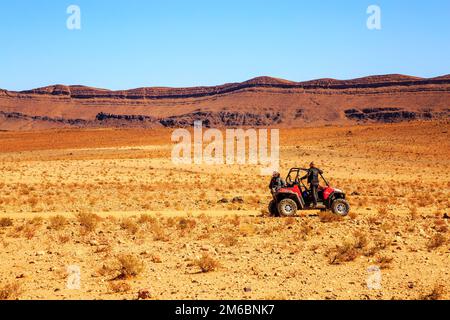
112, 203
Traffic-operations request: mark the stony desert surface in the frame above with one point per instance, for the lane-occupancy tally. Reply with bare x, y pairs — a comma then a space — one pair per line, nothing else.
111, 203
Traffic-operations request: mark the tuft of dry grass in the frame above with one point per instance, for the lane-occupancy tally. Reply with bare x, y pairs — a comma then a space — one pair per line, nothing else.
159, 233
206, 263
383, 211
327, 217
436, 241
360, 239
440, 226
247, 230
353, 215
119, 287
229, 241
384, 261
63, 238
342, 253
437, 293
129, 266
186, 224
146, 219
129, 225
413, 213
36, 221
57, 222
6, 222
11, 291
88, 221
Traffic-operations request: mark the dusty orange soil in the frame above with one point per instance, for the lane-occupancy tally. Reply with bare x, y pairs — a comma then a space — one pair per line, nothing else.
116, 192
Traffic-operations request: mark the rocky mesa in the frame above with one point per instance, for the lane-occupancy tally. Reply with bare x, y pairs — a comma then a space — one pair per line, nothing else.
263, 101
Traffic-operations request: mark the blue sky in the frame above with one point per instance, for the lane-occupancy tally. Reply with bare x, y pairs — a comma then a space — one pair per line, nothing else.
135, 43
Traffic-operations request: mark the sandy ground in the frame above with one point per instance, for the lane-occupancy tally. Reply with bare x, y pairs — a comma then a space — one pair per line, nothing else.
112, 203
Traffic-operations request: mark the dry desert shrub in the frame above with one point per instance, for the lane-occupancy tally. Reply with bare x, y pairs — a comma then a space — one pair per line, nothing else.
119, 287
63, 238
383, 211
6, 222
57, 222
29, 231
206, 263
327, 217
146, 219
159, 233
88, 221
186, 224
374, 220
379, 243
413, 213
436, 241
342, 253
36, 221
305, 230
129, 225
170, 222
272, 227
229, 241
353, 215
289, 221
128, 266
247, 230
236, 220
384, 261
437, 293
361, 240
11, 291
440, 226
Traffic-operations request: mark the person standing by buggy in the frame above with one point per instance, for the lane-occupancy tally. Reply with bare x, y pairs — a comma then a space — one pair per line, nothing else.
276, 183
313, 181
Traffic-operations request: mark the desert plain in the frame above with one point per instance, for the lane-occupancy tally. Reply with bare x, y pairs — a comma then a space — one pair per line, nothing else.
111, 204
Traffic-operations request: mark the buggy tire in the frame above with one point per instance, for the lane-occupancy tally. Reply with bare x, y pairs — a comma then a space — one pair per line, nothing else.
273, 209
287, 208
340, 207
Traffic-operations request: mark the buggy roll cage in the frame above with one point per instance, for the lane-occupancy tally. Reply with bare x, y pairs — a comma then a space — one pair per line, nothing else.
296, 180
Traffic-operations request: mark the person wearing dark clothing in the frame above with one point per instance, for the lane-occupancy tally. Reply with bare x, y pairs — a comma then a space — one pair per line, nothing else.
276, 183
313, 180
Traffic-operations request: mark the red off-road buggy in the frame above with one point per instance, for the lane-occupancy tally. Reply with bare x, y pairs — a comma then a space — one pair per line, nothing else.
297, 196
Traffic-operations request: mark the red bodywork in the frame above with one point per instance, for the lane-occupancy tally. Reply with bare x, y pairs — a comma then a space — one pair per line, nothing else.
327, 192
294, 189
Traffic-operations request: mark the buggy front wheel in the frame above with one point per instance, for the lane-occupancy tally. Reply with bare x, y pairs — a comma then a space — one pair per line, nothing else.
340, 207
287, 208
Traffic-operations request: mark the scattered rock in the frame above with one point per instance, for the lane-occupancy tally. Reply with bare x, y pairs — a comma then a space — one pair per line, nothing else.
237, 200
247, 289
144, 294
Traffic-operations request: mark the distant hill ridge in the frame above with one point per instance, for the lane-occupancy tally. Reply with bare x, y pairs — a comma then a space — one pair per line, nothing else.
259, 102
84, 92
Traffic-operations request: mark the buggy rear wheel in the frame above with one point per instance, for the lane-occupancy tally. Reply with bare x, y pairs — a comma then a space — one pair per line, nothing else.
340, 207
287, 208
273, 210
